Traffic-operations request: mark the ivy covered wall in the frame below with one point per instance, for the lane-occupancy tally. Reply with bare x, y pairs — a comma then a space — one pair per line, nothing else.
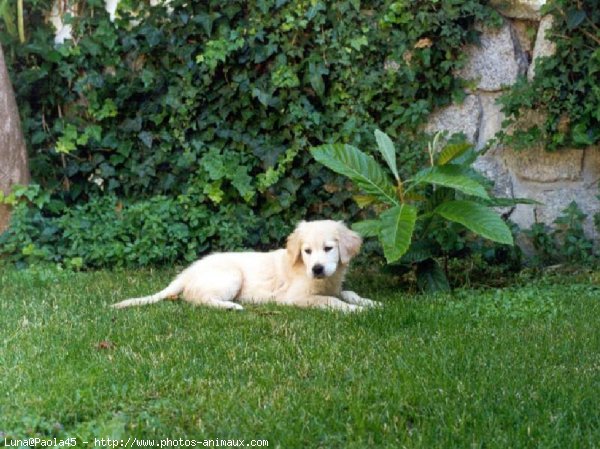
196, 117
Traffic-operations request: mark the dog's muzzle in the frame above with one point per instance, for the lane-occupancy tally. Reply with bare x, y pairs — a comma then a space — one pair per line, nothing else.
318, 271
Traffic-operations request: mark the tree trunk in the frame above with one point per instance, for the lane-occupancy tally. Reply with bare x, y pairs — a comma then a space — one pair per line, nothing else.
14, 167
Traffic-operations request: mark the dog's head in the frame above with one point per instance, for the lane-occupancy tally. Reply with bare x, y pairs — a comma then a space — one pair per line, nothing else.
322, 246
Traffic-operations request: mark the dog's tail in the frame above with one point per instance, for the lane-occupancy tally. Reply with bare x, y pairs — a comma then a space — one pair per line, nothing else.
173, 289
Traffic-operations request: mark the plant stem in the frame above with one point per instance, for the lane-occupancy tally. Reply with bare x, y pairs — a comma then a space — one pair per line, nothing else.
400, 190
20, 22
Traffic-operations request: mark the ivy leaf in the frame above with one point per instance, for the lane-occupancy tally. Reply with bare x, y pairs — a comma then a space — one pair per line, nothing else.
581, 135
108, 109
316, 72
431, 278
67, 142
358, 42
213, 163
574, 18
214, 192
94, 132
206, 21
146, 138
242, 181
264, 98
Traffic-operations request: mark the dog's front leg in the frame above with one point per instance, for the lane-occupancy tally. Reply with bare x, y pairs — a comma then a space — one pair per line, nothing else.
352, 298
325, 302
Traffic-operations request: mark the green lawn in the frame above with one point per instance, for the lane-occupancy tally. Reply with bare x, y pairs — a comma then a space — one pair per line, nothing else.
511, 368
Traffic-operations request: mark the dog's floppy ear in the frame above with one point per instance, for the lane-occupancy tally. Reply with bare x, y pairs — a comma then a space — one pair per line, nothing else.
350, 243
293, 245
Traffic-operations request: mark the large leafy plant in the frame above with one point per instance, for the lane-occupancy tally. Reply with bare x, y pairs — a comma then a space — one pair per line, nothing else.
420, 218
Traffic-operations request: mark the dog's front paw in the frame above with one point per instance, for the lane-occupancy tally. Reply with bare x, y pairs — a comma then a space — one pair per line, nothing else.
353, 308
353, 298
370, 303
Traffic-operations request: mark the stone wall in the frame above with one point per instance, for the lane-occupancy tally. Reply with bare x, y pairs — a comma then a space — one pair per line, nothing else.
552, 178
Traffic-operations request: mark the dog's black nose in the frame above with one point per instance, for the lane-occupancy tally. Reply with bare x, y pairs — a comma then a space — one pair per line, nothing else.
318, 270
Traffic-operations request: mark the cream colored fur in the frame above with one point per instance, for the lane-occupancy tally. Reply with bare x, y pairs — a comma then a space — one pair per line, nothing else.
309, 272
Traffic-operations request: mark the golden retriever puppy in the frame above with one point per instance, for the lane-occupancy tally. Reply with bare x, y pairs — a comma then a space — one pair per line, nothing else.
308, 273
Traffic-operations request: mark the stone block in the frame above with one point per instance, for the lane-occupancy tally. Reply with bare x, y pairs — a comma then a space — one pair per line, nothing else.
457, 118
526, 31
556, 196
543, 47
537, 164
519, 9
491, 118
496, 62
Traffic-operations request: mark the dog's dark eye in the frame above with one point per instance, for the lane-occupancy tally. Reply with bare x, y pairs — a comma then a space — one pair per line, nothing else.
328, 248
308, 251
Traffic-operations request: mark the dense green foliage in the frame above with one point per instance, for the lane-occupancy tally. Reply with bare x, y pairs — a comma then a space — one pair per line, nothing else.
214, 104
496, 368
566, 243
105, 231
565, 87
424, 217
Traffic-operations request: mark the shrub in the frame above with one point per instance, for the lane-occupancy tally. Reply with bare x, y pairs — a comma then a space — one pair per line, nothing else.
107, 232
424, 217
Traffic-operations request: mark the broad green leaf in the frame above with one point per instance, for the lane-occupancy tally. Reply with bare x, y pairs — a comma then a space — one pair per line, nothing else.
467, 158
367, 228
451, 176
8, 17
386, 146
478, 218
359, 167
451, 152
431, 278
437, 197
397, 226
363, 201
509, 202
419, 251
